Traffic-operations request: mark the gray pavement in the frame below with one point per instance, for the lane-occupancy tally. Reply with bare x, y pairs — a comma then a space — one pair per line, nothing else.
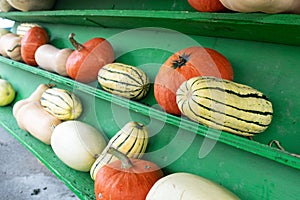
23, 177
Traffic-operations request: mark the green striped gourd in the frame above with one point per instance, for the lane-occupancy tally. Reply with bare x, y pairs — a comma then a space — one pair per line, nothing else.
225, 105
124, 80
61, 103
131, 140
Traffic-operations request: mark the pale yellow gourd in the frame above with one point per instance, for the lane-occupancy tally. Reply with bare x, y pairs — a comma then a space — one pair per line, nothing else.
266, 6
30, 5
5, 6
32, 118
187, 186
77, 143
52, 59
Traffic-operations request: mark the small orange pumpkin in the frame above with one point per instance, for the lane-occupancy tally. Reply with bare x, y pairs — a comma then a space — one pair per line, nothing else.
126, 178
31, 41
183, 65
207, 5
87, 59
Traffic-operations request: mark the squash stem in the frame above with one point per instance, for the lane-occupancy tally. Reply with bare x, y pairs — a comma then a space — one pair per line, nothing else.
126, 163
16, 46
77, 45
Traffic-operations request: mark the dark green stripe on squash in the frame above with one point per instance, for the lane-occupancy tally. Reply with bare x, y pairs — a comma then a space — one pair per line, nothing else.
124, 80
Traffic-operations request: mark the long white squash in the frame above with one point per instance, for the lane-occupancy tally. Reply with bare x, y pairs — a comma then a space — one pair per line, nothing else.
186, 186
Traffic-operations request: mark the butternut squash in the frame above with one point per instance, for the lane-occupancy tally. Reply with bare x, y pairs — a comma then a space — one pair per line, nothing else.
13, 48
10, 46
3, 41
35, 96
38, 122
32, 118
52, 59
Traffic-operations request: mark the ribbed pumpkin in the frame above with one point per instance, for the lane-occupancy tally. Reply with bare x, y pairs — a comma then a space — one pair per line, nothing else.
31, 41
225, 105
126, 178
84, 62
131, 140
61, 103
207, 5
183, 65
124, 80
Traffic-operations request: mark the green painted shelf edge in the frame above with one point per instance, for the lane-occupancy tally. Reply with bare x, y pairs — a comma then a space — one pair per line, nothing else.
226, 138
275, 28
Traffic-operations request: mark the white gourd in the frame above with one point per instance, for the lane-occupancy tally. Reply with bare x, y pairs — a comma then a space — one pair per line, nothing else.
77, 143
186, 186
266, 6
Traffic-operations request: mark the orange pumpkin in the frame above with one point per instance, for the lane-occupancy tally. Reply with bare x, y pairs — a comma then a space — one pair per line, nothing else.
126, 178
87, 59
207, 5
183, 65
31, 41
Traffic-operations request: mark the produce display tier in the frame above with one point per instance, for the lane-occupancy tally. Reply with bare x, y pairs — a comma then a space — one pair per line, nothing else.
262, 48
281, 28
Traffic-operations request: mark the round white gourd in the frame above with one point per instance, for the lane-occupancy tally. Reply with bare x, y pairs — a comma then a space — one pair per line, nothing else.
186, 186
76, 144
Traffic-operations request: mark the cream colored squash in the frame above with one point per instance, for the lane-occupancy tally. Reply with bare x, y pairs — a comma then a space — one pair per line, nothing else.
266, 6
29, 5
32, 118
77, 143
5, 6
35, 96
35, 120
3, 43
186, 186
52, 59
13, 48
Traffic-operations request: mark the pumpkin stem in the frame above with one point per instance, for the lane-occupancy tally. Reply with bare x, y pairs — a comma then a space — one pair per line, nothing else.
181, 61
75, 44
126, 163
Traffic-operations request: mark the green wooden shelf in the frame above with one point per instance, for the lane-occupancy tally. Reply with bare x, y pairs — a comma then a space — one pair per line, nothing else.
180, 122
283, 28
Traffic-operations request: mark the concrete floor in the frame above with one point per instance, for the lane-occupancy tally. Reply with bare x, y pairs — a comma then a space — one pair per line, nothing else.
23, 177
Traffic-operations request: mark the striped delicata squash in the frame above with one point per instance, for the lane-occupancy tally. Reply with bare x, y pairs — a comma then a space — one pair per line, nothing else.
131, 140
225, 105
61, 103
124, 80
